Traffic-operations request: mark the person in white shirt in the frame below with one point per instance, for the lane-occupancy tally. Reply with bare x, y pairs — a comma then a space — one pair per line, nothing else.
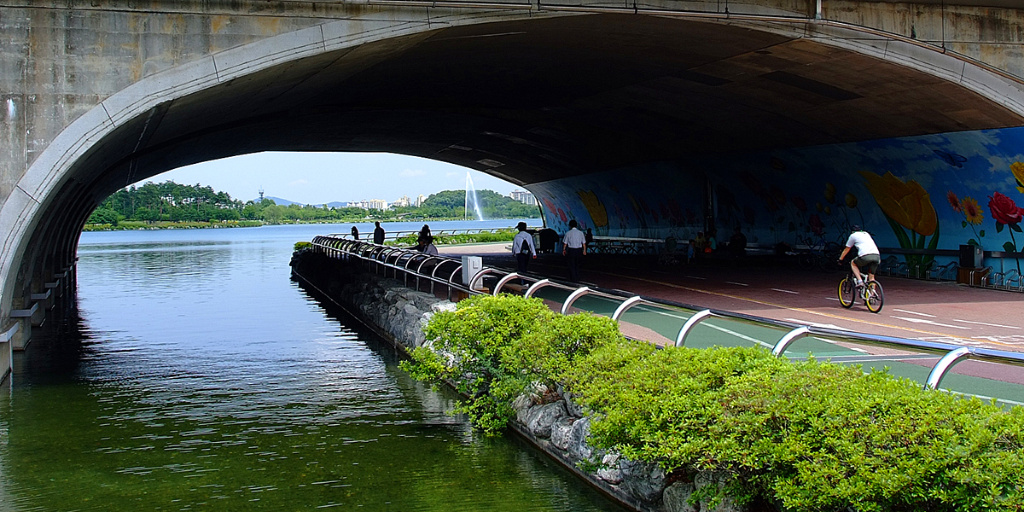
574, 248
868, 257
523, 249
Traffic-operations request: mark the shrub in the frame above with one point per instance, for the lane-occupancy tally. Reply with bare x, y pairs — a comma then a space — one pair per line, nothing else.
810, 436
494, 349
806, 436
466, 347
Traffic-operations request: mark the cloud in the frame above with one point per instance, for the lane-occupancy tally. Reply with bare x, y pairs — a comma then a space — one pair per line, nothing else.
411, 173
298, 182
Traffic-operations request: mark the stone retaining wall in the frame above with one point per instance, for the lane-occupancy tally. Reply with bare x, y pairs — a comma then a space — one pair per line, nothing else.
558, 427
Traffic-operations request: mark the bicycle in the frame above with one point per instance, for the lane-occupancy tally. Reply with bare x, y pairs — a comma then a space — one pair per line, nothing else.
871, 293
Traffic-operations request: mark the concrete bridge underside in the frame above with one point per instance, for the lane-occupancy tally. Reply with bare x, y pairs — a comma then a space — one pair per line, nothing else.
534, 97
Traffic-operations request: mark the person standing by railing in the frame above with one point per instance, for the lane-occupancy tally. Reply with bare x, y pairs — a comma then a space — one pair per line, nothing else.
355, 233
378, 234
574, 248
523, 249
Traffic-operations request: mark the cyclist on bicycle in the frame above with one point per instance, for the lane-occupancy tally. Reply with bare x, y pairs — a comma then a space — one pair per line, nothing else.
867, 258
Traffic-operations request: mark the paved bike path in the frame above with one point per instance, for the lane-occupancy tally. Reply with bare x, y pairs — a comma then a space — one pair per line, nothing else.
914, 309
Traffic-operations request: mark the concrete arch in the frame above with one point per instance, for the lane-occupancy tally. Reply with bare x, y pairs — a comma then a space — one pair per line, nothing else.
49, 179
89, 159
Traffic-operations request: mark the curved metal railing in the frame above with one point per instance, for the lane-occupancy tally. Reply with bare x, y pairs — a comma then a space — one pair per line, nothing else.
413, 265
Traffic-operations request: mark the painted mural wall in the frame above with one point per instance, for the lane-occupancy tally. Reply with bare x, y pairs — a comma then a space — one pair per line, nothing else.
928, 192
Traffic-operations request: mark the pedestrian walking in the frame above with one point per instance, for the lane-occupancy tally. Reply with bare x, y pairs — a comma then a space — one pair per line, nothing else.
574, 248
523, 249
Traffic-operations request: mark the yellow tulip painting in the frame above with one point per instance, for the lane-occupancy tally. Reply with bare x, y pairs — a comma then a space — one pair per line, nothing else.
909, 210
597, 212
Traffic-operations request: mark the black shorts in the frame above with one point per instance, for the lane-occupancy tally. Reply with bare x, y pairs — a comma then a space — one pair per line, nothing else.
868, 263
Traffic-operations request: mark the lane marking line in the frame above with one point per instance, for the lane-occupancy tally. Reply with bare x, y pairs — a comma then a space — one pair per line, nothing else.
740, 336
787, 291
815, 324
983, 323
737, 284
914, 313
923, 321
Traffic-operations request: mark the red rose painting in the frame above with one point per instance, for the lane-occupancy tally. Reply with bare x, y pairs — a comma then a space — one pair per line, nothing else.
1004, 210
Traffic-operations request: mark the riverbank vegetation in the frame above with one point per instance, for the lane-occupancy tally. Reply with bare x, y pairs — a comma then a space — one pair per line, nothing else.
169, 204
801, 436
501, 235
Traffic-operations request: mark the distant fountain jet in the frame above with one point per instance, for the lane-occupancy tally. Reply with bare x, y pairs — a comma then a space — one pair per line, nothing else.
470, 191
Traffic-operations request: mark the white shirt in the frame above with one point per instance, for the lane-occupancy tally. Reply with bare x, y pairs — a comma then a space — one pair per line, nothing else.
517, 243
430, 249
863, 242
574, 239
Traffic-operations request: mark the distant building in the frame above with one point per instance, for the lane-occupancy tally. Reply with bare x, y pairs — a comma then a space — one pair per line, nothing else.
419, 200
369, 204
524, 197
402, 202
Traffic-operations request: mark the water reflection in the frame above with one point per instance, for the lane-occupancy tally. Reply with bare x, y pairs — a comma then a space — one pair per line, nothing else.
201, 377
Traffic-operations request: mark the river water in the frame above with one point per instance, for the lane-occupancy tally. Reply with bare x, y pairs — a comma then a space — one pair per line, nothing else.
199, 377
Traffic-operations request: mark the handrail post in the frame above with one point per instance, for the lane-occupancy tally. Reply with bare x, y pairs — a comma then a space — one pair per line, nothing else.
451, 279
697, 318
503, 281
626, 304
479, 277
579, 292
537, 286
948, 361
789, 338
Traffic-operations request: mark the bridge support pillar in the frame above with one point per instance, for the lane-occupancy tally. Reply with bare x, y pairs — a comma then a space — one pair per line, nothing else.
7, 334
44, 300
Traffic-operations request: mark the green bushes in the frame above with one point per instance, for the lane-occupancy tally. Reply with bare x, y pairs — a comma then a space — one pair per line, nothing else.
806, 436
809, 436
493, 349
504, 235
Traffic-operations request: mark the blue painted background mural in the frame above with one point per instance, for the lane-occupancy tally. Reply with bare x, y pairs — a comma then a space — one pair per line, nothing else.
928, 192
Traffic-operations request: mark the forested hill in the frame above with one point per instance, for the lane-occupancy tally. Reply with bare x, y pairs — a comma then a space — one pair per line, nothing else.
173, 202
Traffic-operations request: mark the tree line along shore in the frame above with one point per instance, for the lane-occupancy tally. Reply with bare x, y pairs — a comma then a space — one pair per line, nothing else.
170, 205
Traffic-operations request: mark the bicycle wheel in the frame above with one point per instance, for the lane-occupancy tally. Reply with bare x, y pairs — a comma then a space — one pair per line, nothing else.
873, 296
846, 292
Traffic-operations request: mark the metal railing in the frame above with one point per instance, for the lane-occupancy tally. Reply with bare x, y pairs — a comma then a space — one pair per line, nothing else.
391, 236
413, 265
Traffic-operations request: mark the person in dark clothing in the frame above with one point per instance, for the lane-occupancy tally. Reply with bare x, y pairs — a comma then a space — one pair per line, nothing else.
378, 234
574, 248
355, 233
738, 243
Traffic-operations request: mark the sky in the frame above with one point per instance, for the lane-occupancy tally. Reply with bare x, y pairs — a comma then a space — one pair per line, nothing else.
319, 178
